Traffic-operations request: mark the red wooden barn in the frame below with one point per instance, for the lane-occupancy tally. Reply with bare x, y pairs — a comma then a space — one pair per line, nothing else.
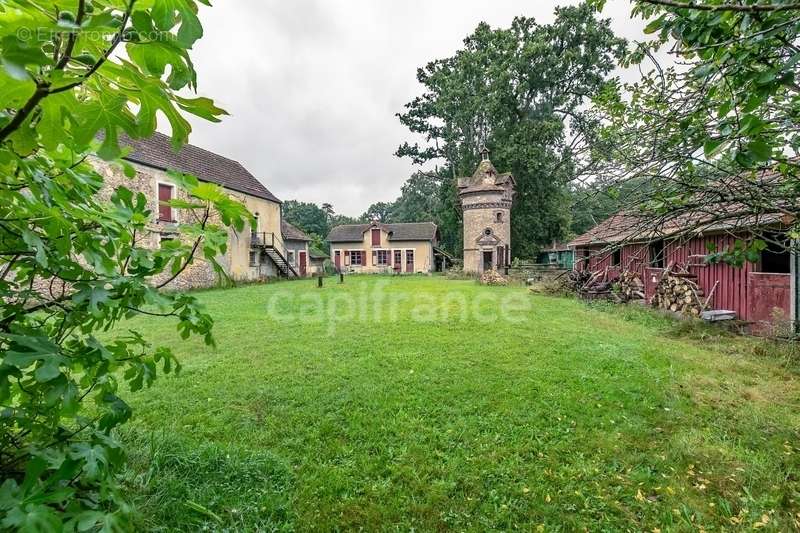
759, 293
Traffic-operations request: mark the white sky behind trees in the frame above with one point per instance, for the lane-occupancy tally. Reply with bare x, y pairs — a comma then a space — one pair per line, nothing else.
313, 86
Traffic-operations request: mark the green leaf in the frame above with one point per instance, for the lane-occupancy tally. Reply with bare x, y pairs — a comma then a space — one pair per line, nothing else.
48, 371
654, 25
108, 113
711, 146
14, 92
760, 150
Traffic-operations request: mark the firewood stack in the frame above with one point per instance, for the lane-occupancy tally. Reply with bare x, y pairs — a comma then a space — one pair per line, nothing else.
630, 286
589, 285
492, 277
678, 292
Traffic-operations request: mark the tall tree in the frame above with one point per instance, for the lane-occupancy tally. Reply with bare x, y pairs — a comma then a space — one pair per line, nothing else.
518, 90
307, 216
717, 137
328, 209
74, 262
419, 199
380, 211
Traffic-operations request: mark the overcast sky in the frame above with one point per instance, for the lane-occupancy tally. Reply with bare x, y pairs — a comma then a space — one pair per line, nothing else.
313, 86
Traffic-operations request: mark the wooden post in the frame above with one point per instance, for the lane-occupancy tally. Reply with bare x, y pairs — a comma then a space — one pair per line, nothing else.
319, 281
341, 277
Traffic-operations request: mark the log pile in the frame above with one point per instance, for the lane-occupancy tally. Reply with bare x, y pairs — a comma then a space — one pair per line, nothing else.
589, 285
630, 286
492, 277
678, 292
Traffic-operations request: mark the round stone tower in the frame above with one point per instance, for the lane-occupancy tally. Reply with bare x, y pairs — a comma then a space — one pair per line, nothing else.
486, 199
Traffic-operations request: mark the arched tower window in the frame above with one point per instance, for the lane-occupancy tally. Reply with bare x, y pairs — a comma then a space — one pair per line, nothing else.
498, 217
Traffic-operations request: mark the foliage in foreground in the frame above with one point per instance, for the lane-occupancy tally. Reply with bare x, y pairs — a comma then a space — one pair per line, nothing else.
714, 137
72, 264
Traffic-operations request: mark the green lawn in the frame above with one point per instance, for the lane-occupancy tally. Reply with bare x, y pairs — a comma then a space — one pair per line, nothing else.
438, 405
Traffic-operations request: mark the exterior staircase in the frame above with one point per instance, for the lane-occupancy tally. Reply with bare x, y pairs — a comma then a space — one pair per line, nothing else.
266, 243
286, 270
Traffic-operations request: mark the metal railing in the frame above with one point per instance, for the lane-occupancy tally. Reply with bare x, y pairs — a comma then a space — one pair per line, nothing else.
261, 238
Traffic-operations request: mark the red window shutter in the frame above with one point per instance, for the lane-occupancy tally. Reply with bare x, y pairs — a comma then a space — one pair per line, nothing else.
376, 237
164, 195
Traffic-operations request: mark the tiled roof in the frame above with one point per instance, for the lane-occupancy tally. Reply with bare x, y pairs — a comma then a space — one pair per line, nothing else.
157, 152
292, 233
631, 227
408, 231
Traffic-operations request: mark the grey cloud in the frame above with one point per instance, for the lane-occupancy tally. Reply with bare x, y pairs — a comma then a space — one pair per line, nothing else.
312, 86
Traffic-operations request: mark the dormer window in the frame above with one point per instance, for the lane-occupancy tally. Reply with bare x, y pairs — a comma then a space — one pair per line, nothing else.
376, 237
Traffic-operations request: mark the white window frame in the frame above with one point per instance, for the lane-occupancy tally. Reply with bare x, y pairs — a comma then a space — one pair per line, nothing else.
174, 196
253, 259
291, 257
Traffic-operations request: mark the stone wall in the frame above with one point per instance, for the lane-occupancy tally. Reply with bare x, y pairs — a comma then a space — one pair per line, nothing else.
235, 262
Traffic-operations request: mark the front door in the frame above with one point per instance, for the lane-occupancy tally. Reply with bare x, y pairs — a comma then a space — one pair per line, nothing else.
337, 258
487, 261
398, 260
303, 264
410, 261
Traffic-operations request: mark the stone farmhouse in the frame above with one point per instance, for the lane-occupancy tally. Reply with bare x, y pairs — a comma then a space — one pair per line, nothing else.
375, 248
272, 248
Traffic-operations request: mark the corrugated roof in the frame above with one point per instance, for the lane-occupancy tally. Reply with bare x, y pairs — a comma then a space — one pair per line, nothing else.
157, 152
407, 231
292, 233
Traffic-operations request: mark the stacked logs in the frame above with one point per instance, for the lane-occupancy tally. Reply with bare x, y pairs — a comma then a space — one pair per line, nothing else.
589, 285
492, 277
678, 292
630, 286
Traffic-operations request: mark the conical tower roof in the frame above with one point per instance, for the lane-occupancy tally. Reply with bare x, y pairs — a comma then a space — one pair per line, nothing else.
486, 178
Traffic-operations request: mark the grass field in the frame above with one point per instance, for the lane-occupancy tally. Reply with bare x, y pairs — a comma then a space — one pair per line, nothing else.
425, 404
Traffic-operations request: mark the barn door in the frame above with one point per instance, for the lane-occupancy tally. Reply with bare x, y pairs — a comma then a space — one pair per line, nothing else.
770, 296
